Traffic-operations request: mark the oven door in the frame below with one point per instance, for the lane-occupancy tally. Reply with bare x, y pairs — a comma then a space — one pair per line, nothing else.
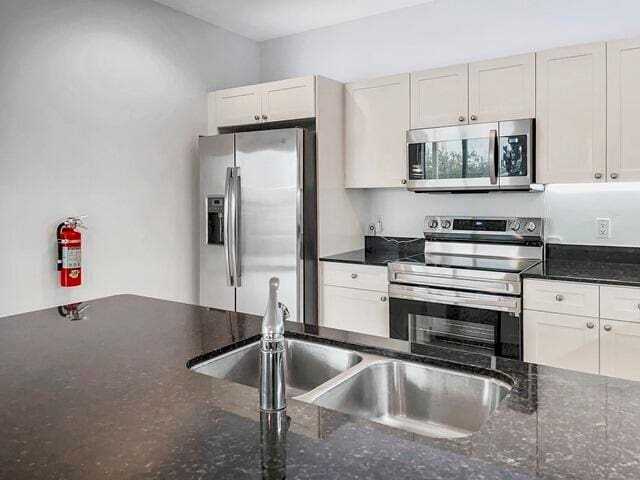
473, 322
453, 158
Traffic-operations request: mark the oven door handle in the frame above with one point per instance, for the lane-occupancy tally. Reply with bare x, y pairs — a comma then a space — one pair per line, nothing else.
448, 297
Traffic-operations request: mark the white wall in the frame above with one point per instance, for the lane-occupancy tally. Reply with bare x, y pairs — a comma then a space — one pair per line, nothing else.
101, 103
448, 32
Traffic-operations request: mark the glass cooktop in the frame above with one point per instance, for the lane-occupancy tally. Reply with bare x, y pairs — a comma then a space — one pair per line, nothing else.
494, 264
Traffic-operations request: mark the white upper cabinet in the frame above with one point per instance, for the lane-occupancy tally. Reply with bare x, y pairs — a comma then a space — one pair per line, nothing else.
502, 89
238, 106
377, 120
623, 110
288, 99
571, 114
440, 97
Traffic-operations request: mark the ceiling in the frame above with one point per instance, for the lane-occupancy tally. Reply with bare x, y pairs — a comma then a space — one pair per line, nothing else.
266, 19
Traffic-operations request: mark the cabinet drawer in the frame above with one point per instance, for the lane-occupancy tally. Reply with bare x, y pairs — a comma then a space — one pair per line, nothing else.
561, 297
620, 303
363, 277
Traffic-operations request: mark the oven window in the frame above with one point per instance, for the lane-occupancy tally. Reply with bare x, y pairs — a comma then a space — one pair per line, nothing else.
456, 327
449, 160
448, 324
513, 156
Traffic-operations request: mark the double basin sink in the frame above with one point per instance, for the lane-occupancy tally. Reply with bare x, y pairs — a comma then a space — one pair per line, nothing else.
418, 398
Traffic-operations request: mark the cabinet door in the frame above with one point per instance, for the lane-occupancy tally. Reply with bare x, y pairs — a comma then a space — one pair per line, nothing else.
440, 97
623, 110
377, 120
620, 303
289, 99
563, 341
362, 311
502, 89
571, 114
238, 106
620, 349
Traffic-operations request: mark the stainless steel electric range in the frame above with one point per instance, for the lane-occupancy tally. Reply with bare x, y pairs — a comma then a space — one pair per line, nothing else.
465, 291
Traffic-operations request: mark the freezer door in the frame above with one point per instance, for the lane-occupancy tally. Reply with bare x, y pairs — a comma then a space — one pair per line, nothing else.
216, 160
270, 214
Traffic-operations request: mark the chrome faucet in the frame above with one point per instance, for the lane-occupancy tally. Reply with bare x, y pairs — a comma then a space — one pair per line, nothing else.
272, 379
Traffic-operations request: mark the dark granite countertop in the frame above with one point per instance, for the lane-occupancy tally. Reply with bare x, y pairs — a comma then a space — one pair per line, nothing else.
379, 251
593, 264
110, 396
586, 271
362, 257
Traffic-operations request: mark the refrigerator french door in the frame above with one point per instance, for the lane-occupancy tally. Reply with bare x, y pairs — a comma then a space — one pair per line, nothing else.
258, 221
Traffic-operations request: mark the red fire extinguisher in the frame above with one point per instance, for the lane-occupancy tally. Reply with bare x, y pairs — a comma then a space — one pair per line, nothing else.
70, 252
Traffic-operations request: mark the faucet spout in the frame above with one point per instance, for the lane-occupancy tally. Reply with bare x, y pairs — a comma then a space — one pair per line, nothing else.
272, 354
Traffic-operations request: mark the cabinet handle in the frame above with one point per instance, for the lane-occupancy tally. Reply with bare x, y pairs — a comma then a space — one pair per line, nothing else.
639, 306
461, 118
264, 117
607, 328
598, 175
404, 181
590, 325
559, 298
354, 275
614, 176
474, 118
383, 299
257, 117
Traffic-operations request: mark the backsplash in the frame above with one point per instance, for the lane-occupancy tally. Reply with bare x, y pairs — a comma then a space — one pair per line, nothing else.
570, 210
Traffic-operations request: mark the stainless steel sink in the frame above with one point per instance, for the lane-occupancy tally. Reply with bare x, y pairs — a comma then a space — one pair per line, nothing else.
417, 398
308, 365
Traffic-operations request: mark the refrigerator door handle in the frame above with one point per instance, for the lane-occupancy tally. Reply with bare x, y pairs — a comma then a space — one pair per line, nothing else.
227, 224
237, 192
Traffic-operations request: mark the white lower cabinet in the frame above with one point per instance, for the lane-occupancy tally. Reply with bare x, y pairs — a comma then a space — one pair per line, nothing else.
354, 298
620, 349
607, 342
363, 311
560, 340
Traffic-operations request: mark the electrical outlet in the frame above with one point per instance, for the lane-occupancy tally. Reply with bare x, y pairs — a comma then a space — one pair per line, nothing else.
379, 221
603, 228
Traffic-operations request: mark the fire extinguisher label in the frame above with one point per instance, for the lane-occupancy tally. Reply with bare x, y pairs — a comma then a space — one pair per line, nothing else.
71, 257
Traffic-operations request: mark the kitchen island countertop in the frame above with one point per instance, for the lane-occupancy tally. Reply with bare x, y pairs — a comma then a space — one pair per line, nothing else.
110, 396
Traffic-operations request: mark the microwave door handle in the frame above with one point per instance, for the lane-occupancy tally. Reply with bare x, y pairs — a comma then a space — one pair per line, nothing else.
493, 156
226, 225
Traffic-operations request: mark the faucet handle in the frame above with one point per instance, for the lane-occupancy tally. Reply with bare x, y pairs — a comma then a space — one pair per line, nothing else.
285, 311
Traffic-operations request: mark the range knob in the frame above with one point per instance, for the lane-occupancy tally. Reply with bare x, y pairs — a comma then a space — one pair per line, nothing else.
530, 227
515, 226
446, 224
433, 223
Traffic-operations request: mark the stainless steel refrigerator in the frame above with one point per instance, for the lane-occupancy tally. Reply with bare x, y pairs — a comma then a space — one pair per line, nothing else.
258, 220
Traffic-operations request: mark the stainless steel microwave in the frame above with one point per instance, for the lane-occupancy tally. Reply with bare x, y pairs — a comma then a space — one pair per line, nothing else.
479, 157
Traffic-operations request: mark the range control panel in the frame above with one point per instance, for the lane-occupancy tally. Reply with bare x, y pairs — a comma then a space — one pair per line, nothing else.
513, 226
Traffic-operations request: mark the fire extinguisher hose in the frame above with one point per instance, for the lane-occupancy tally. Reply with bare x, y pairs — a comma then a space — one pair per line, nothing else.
59, 242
